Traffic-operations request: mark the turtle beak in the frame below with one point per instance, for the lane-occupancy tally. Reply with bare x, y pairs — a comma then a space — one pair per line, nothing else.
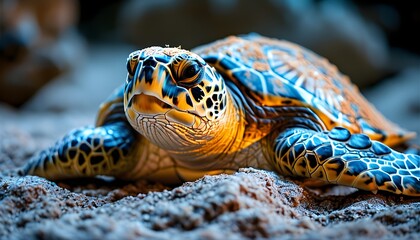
152, 97
148, 105
143, 84
151, 90
151, 107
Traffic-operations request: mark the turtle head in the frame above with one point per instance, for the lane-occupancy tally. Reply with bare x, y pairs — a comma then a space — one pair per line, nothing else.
173, 97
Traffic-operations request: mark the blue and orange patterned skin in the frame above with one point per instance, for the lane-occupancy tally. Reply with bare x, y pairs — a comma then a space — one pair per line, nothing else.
243, 101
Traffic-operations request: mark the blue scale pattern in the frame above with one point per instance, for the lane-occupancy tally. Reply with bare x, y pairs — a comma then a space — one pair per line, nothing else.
359, 141
339, 133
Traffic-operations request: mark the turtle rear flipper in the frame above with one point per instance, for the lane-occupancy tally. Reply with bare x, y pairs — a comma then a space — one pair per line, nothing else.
340, 157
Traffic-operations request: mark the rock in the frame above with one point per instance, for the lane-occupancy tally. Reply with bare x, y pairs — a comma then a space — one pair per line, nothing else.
38, 42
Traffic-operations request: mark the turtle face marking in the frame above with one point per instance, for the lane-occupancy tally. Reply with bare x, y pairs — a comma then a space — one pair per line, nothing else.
174, 86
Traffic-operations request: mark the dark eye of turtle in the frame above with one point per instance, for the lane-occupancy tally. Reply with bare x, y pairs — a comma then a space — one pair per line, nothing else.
190, 74
190, 71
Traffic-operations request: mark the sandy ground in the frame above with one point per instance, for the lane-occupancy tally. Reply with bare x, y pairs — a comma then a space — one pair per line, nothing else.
248, 204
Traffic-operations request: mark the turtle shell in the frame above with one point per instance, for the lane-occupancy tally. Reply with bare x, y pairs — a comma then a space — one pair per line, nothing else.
276, 73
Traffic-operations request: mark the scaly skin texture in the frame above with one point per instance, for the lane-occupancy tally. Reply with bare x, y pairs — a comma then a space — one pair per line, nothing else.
340, 157
245, 101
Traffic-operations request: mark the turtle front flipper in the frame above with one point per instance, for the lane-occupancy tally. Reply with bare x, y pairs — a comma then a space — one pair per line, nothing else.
86, 152
110, 148
340, 157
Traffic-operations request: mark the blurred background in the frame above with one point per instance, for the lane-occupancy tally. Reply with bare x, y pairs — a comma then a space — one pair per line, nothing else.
60, 58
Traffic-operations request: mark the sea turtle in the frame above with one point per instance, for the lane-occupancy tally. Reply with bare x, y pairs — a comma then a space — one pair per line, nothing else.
243, 101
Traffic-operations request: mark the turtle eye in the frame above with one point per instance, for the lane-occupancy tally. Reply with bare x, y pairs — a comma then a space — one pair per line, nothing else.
190, 71
190, 74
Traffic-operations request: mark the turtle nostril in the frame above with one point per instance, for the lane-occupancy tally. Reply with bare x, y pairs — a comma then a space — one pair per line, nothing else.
148, 73
150, 63
148, 67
